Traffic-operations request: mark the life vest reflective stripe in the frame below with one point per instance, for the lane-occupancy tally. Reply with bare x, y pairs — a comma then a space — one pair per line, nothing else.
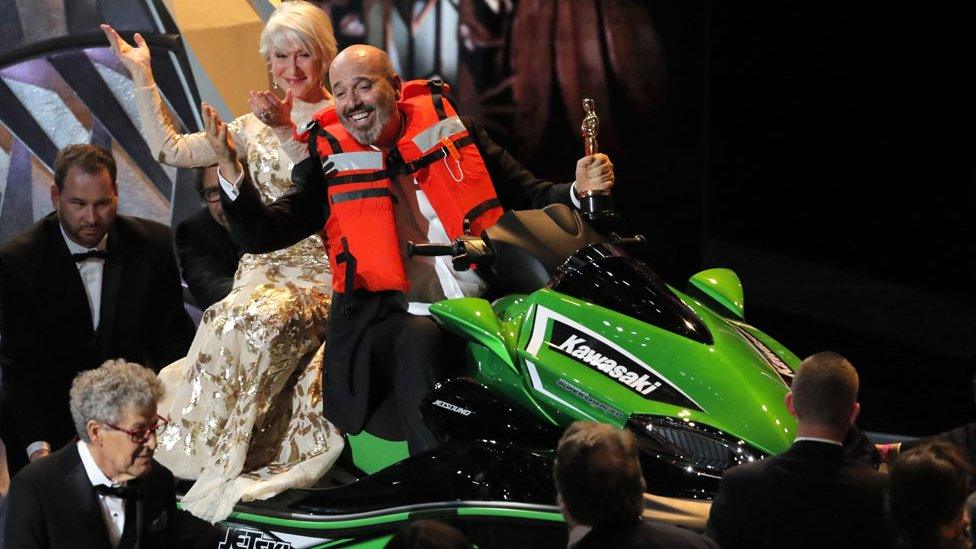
433, 136
372, 160
435, 147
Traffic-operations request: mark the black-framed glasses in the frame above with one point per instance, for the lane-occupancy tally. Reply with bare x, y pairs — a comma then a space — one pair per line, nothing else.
139, 436
210, 194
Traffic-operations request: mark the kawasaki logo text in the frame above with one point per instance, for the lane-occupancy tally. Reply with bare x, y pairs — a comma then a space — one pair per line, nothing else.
574, 347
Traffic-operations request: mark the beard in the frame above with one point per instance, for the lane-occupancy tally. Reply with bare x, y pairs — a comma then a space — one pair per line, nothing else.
87, 235
368, 136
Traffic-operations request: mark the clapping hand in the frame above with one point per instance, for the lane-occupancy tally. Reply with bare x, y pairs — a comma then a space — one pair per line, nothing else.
269, 109
136, 59
221, 143
274, 112
594, 173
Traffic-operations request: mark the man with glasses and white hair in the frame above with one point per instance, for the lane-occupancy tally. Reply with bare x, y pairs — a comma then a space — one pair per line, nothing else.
105, 490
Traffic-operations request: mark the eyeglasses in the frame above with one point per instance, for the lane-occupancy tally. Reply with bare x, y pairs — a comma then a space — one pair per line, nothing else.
210, 194
142, 435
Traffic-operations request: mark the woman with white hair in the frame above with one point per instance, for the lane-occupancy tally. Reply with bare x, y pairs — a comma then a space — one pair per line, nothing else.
245, 404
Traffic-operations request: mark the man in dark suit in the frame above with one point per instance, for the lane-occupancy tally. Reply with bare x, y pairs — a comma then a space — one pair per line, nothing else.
105, 491
809, 496
601, 493
207, 250
376, 338
78, 287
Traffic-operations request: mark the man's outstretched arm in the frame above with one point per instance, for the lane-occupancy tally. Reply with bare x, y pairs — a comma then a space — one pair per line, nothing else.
263, 228
520, 189
260, 227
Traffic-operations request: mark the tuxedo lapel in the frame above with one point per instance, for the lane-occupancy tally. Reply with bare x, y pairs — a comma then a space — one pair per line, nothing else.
133, 520
62, 285
111, 280
147, 519
90, 527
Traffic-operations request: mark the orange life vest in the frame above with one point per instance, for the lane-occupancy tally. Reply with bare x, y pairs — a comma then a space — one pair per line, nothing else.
436, 148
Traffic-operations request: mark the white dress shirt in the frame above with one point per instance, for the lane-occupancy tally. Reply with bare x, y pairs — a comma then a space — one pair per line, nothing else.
432, 279
113, 507
91, 271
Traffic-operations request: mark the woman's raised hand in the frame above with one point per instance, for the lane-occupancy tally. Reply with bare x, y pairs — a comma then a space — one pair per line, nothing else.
220, 141
274, 112
136, 59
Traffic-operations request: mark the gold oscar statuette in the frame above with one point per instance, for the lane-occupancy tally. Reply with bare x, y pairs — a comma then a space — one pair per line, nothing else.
597, 205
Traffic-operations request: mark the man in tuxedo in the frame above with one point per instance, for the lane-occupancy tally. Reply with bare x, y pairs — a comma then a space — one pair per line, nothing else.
601, 493
105, 490
378, 337
207, 250
809, 496
79, 287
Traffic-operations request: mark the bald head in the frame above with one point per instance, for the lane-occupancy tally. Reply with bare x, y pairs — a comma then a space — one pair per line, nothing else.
361, 57
365, 90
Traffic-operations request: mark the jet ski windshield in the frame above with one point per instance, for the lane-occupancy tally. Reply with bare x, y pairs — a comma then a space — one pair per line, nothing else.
604, 275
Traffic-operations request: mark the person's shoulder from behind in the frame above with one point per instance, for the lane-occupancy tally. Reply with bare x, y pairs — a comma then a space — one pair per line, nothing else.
743, 482
752, 471
645, 534
864, 479
667, 535
664, 535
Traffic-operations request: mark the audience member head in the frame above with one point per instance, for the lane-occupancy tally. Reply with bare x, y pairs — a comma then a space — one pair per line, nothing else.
598, 475
114, 411
929, 485
824, 396
298, 43
209, 188
366, 89
85, 195
428, 534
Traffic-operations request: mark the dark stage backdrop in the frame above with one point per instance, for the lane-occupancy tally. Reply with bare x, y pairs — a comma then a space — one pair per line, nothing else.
819, 151
840, 187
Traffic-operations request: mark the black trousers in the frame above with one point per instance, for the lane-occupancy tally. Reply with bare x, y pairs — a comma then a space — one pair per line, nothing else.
407, 357
375, 349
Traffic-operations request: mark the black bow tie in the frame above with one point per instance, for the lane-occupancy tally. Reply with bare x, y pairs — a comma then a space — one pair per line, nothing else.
99, 254
124, 492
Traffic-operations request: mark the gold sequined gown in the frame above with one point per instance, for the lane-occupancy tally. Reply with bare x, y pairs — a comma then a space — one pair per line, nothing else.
245, 405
